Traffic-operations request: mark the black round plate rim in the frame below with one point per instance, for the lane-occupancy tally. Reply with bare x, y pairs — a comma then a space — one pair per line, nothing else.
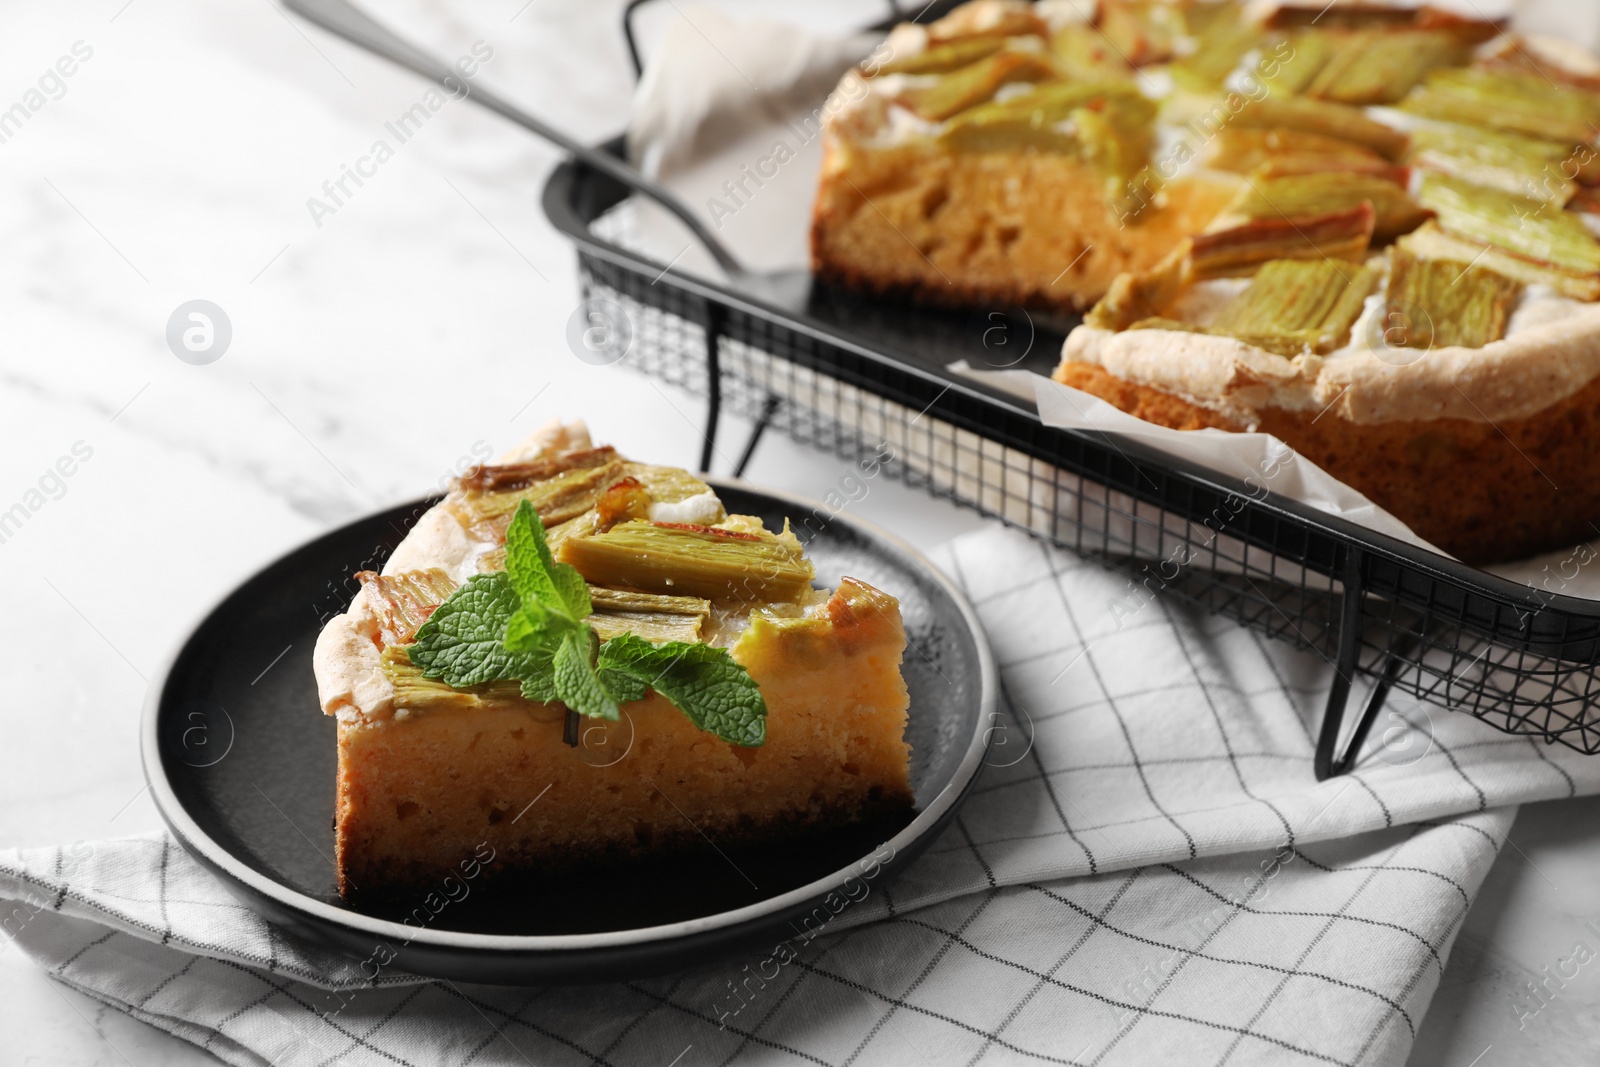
258, 889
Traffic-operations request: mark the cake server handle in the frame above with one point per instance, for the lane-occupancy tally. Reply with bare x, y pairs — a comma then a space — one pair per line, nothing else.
356, 26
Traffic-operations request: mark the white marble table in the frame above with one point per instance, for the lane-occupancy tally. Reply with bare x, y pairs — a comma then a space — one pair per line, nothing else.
422, 319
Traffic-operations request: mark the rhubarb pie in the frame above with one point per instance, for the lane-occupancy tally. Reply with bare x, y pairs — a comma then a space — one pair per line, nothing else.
1368, 230
575, 657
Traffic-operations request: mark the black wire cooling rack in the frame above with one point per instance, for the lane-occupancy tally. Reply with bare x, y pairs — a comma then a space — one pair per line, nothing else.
853, 376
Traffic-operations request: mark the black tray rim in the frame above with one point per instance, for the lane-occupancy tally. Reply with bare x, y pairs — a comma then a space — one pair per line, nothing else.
559, 200
310, 917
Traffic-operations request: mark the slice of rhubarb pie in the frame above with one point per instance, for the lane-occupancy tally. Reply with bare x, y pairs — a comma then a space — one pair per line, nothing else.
576, 657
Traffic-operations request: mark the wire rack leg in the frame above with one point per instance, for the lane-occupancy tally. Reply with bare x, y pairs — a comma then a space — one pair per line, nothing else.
769, 408
1328, 763
713, 324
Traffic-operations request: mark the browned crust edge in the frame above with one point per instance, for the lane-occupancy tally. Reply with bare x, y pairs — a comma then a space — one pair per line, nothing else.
1485, 493
928, 293
396, 880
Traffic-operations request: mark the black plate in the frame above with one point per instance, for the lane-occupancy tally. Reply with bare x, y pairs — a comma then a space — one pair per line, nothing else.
241, 764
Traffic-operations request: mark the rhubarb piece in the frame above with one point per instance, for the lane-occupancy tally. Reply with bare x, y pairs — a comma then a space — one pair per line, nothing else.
484, 499
1316, 195
1530, 228
1297, 306
1134, 297
1047, 104
1105, 124
414, 691
1436, 303
402, 602
1113, 141
1512, 100
1311, 51
1143, 31
1293, 166
508, 477
1081, 119
649, 615
622, 490
1290, 308
1243, 150
1380, 67
1338, 16
1342, 235
1325, 118
1222, 37
1512, 163
1103, 144
1360, 16
972, 85
675, 487
1010, 126
1430, 242
1083, 54
1161, 322
941, 59
689, 560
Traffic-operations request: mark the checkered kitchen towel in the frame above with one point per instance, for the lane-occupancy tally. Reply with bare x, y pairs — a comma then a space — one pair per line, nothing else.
1147, 872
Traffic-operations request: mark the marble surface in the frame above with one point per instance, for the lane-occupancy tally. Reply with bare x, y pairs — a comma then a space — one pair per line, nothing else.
375, 349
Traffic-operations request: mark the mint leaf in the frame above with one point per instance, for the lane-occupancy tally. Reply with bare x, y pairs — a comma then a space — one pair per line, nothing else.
541, 687
575, 680
622, 686
535, 574
535, 629
526, 624
706, 684
536, 633
523, 632
462, 642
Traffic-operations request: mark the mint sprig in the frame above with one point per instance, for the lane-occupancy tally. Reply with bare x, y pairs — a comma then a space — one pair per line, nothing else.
706, 683
526, 623
463, 643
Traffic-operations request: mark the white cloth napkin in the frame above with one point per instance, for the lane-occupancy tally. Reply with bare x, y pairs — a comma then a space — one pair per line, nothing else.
1146, 872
